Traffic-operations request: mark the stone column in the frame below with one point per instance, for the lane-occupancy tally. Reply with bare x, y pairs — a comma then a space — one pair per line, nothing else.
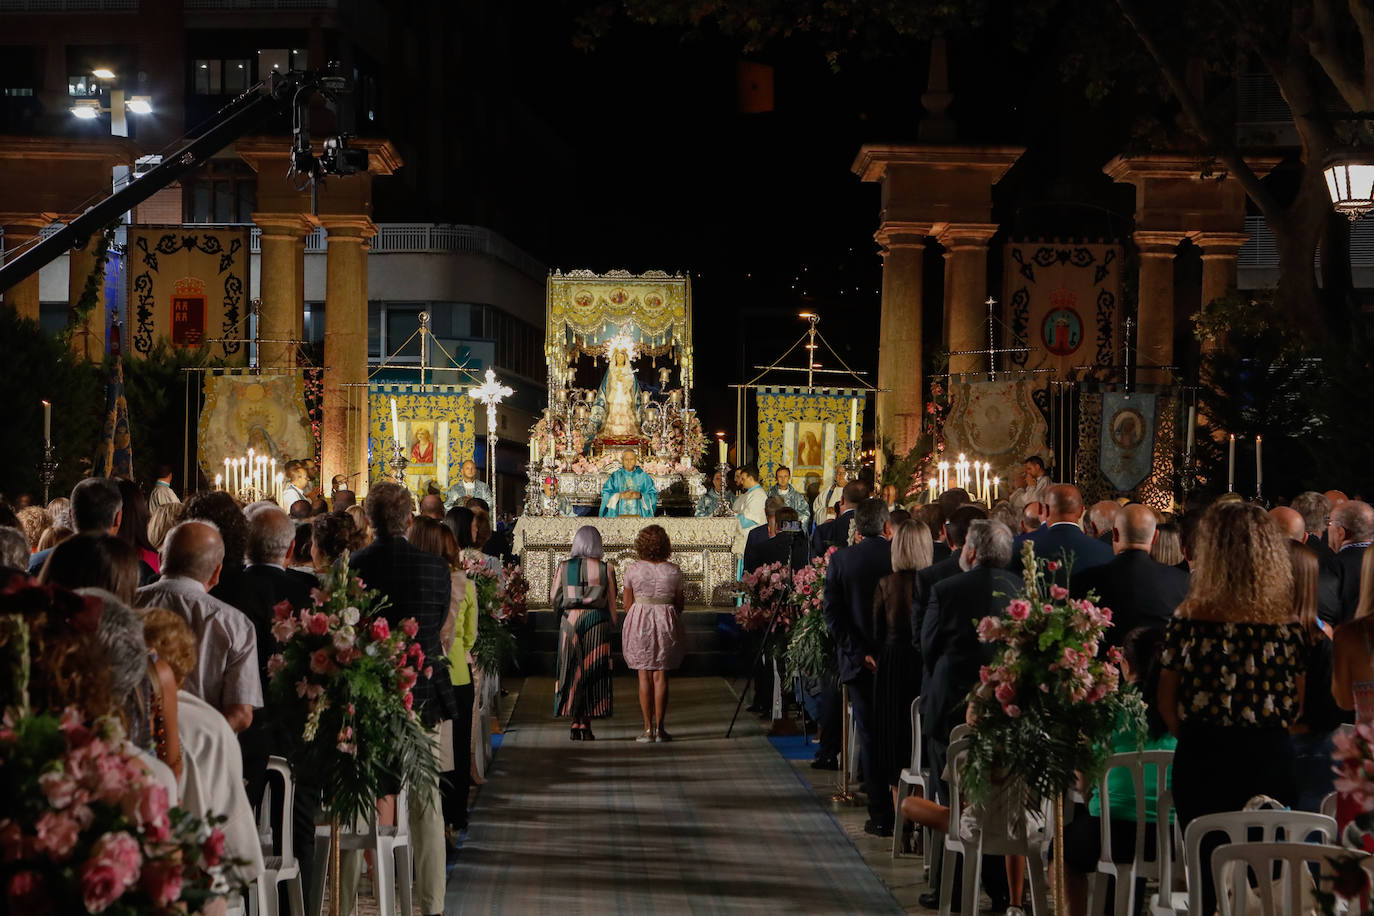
281, 290
1219, 253
20, 230
898, 409
344, 435
88, 338
1154, 338
966, 292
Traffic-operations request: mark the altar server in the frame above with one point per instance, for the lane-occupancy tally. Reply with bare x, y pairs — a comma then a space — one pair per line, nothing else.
750, 506
791, 498
630, 491
827, 497
468, 487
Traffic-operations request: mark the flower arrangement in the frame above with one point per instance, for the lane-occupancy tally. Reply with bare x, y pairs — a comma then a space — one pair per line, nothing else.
1046, 706
693, 442
83, 826
342, 684
767, 590
501, 606
809, 647
585, 464
1348, 881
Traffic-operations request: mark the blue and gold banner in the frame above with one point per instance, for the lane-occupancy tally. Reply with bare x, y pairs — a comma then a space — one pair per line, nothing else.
436, 429
807, 431
1127, 441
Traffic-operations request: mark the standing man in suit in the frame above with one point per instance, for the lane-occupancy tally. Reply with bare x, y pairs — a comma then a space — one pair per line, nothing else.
1102, 520
950, 650
850, 584
835, 533
1349, 533
1061, 539
417, 585
956, 534
1140, 591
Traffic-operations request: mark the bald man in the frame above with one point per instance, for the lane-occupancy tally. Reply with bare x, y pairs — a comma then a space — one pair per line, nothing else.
1290, 523
1061, 538
1033, 516
1140, 591
1349, 533
1102, 520
226, 671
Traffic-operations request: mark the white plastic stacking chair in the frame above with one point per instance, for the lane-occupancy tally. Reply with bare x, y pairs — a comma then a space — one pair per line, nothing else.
1233, 863
911, 778
265, 821
285, 868
1142, 865
392, 859
1166, 901
1329, 804
970, 842
1274, 826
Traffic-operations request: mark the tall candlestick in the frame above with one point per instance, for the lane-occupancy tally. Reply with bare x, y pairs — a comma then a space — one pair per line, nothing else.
219, 480
1231, 466
396, 425
47, 422
996, 488
720, 443
1259, 463
853, 417
228, 475
1192, 428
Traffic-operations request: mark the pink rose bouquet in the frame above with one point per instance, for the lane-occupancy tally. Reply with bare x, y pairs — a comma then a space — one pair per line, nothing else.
766, 590
809, 647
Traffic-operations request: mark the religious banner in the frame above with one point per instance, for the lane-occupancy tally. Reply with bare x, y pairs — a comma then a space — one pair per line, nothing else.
1063, 304
266, 413
997, 422
1126, 445
188, 285
435, 427
807, 431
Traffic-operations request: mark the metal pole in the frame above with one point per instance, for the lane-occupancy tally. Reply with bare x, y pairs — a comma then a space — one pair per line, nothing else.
842, 794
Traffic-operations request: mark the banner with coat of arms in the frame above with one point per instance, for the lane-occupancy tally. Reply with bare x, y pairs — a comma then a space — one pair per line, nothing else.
435, 426
189, 285
1063, 302
807, 431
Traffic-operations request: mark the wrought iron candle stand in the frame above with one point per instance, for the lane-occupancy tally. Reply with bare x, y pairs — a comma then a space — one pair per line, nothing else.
47, 471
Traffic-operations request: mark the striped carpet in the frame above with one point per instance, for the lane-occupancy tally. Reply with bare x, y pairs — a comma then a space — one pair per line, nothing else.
700, 825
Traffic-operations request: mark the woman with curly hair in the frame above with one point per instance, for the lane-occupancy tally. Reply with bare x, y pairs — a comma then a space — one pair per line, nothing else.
1233, 666
332, 538
653, 639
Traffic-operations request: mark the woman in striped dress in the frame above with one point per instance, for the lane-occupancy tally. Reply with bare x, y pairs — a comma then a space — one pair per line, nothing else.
584, 595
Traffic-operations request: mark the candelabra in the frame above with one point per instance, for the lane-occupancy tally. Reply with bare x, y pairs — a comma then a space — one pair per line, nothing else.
723, 507
47, 470
398, 462
533, 492
851, 464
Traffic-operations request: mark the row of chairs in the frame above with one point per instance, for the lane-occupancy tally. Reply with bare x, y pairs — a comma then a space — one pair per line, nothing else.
392, 856
1257, 842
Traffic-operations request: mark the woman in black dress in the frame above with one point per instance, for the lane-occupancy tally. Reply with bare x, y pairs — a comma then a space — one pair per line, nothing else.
1232, 675
898, 679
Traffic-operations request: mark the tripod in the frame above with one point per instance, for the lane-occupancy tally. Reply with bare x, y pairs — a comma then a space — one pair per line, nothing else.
753, 669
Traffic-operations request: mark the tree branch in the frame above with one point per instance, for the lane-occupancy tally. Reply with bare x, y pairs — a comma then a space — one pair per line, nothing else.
1324, 47
1192, 111
1363, 14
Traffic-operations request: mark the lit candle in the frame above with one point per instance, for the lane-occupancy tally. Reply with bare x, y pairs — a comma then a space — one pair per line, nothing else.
1259, 463
281, 486
47, 422
395, 425
721, 445
1231, 466
996, 488
853, 417
228, 474
1192, 428
219, 479
272, 471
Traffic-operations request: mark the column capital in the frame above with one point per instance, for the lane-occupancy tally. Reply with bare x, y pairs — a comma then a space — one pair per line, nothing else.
348, 227
22, 225
1220, 244
287, 225
1153, 243
894, 233
957, 236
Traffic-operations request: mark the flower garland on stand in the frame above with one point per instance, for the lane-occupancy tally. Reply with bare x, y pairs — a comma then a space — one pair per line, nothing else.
341, 686
1046, 707
83, 826
809, 646
767, 591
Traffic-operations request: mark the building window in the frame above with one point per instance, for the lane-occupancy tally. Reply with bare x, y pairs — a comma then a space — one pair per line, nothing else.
221, 77
26, 93
83, 86
220, 195
402, 325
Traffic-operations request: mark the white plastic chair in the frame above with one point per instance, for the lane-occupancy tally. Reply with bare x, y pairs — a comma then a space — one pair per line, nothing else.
1329, 804
1274, 826
911, 778
265, 821
1142, 865
1166, 901
973, 844
285, 868
392, 859
1233, 863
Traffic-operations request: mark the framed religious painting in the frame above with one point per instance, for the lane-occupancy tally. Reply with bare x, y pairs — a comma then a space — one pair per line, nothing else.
423, 442
809, 454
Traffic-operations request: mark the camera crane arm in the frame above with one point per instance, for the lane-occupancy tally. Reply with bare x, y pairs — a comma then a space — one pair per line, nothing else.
241, 116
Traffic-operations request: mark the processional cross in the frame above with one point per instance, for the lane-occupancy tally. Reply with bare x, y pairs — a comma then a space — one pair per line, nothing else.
992, 350
491, 392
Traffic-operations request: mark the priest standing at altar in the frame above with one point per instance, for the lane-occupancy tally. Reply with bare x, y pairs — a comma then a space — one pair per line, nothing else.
630, 491
468, 487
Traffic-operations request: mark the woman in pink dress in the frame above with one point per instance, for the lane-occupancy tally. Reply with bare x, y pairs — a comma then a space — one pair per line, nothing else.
652, 638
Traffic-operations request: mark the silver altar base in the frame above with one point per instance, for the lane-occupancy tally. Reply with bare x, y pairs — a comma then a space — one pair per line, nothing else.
675, 491
703, 547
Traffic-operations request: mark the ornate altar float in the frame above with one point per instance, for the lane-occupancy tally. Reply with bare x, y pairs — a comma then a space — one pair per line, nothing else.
619, 352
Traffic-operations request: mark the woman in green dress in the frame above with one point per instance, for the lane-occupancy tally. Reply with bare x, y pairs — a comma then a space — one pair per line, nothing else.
584, 594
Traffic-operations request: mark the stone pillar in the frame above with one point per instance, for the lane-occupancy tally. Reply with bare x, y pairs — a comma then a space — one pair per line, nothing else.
1154, 338
1219, 253
281, 290
966, 292
901, 400
343, 439
20, 231
88, 338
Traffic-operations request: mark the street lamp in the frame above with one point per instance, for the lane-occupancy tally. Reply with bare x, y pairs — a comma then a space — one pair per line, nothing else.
1350, 182
90, 109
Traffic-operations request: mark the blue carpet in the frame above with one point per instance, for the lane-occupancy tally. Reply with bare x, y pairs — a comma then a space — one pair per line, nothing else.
794, 747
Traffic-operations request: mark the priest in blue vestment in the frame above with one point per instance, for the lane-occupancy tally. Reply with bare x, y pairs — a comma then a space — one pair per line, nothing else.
629, 491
